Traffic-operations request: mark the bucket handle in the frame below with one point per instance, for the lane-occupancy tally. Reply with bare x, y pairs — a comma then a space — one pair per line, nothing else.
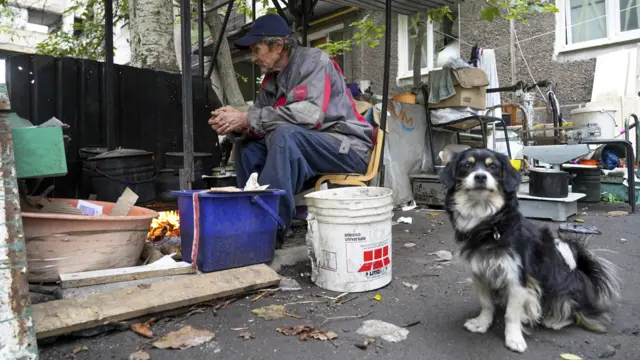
155, 175
273, 214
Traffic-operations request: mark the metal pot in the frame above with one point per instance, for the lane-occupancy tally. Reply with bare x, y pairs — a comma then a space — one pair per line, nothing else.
548, 183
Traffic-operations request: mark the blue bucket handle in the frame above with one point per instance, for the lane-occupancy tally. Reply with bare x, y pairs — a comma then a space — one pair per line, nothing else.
273, 214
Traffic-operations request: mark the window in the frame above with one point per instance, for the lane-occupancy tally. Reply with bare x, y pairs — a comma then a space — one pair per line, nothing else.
334, 33
590, 23
437, 36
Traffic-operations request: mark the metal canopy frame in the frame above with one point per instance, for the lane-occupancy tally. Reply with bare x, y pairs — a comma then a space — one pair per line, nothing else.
406, 7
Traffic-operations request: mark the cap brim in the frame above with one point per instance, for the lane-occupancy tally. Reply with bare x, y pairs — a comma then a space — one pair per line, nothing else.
246, 41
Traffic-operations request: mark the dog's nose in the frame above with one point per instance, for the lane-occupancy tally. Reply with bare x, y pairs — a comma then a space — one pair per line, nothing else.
480, 177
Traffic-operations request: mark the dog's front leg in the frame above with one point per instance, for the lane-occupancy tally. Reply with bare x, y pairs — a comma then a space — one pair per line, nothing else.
514, 340
482, 322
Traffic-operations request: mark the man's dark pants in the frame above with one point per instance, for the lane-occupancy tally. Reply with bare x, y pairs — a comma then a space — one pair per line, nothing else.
288, 157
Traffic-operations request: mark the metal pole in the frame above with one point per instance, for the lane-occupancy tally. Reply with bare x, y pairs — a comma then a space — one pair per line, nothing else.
17, 333
108, 74
385, 84
220, 37
305, 21
512, 53
186, 175
201, 38
253, 66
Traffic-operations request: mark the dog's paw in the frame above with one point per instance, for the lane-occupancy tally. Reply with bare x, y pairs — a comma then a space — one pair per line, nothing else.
478, 324
516, 342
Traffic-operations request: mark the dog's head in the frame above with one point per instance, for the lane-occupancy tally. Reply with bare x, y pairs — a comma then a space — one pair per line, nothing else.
481, 173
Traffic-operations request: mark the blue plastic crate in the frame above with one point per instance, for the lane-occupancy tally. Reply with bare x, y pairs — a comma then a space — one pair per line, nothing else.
236, 229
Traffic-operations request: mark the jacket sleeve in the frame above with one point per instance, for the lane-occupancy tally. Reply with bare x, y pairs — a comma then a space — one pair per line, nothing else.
306, 103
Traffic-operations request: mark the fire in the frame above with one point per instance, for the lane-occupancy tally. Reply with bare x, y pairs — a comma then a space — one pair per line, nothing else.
167, 224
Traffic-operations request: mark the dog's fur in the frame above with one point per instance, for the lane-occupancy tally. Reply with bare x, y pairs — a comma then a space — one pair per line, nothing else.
539, 278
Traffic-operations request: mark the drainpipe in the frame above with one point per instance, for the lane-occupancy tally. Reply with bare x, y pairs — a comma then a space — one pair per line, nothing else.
17, 333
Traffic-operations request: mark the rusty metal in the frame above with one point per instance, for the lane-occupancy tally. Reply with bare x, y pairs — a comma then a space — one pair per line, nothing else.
17, 332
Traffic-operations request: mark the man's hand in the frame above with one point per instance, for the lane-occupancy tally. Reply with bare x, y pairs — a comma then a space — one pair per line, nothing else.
228, 119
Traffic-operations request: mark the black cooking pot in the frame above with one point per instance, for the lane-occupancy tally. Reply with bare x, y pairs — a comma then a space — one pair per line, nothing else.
549, 183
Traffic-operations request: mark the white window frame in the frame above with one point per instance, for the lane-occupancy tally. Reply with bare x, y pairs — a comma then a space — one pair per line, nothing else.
614, 35
403, 49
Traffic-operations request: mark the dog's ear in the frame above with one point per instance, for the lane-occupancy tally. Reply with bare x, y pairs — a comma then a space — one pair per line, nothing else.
448, 174
510, 176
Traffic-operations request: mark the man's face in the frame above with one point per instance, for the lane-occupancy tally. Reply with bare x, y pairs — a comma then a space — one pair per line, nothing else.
266, 57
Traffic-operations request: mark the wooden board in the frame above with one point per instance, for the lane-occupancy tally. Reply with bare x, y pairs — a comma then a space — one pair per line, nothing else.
63, 316
97, 277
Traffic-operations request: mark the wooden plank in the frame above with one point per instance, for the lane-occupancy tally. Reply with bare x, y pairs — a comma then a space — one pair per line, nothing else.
96, 277
69, 293
125, 203
63, 316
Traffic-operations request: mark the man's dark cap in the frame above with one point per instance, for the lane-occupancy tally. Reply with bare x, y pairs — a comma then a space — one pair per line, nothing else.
270, 25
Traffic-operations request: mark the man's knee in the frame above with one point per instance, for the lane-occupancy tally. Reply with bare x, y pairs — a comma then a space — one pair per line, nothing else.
285, 135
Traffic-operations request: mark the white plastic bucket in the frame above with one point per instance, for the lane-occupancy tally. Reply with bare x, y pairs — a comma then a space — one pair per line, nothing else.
603, 117
349, 238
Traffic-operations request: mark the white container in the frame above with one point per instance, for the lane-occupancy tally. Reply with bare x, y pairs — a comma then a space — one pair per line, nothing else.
603, 117
349, 238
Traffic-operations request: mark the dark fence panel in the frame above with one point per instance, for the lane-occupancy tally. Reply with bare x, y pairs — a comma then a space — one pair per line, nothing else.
148, 107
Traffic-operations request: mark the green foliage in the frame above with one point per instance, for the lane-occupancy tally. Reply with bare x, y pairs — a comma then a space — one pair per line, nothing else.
242, 8
517, 10
86, 39
368, 33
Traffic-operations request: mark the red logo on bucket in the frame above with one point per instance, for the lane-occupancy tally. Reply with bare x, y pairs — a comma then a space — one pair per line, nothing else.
375, 259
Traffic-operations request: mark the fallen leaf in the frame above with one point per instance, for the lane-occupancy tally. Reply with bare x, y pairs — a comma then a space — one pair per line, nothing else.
239, 329
409, 245
443, 255
271, 312
305, 332
579, 220
139, 355
413, 286
432, 213
246, 335
144, 286
617, 213
80, 349
184, 338
570, 357
142, 329
369, 341
378, 297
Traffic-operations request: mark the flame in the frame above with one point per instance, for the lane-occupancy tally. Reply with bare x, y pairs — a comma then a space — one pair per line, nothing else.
167, 224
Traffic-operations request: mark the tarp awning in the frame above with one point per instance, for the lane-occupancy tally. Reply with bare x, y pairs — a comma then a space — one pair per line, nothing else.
405, 7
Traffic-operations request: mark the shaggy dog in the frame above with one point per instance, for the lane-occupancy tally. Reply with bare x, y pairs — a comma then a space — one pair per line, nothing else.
537, 277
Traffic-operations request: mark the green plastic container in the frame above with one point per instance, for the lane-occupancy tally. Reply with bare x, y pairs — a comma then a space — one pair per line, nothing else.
39, 152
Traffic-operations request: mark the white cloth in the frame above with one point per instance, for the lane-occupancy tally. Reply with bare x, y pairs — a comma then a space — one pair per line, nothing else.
487, 62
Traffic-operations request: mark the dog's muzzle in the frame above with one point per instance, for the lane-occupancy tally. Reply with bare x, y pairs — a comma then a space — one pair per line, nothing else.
479, 180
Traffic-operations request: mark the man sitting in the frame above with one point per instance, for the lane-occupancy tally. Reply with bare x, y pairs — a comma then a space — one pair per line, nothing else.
304, 122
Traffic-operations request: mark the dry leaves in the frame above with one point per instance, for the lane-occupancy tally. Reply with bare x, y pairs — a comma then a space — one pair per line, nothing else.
184, 338
140, 355
143, 329
271, 312
410, 285
305, 332
617, 213
246, 335
570, 357
78, 350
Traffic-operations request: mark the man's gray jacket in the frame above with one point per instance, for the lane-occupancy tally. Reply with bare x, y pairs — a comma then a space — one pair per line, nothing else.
311, 92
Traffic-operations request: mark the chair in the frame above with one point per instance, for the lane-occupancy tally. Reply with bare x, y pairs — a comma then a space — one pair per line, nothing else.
357, 179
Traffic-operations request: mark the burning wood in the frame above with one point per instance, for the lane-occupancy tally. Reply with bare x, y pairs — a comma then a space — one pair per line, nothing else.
165, 225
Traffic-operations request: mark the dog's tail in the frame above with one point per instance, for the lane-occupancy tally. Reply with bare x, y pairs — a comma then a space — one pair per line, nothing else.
598, 283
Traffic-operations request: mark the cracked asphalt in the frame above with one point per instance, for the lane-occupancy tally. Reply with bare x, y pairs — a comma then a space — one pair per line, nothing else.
442, 301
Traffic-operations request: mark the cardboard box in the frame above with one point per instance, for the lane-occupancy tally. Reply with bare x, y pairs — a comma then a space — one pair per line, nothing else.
471, 90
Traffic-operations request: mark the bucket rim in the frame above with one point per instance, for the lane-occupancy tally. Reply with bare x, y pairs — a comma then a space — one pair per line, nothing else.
189, 193
317, 194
